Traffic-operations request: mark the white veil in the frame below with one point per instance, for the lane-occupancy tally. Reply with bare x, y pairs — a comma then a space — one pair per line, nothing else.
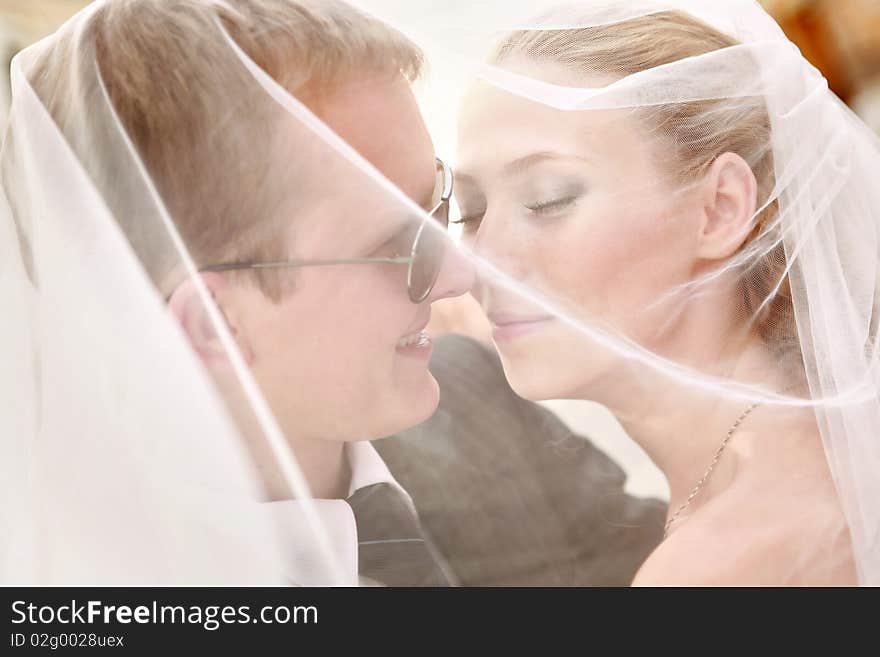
131, 461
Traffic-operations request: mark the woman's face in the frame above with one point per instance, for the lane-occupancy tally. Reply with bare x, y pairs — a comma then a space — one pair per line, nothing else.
570, 205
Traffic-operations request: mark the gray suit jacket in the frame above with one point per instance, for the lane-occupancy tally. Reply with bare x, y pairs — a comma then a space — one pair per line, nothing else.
507, 494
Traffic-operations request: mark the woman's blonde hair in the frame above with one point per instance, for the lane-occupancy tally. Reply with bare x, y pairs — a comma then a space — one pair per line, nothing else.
695, 133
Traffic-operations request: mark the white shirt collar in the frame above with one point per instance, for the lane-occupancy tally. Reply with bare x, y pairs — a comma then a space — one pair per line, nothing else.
368, 468
306, 565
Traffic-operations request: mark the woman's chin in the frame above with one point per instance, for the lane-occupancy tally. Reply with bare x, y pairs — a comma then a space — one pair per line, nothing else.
529, 383
540, 378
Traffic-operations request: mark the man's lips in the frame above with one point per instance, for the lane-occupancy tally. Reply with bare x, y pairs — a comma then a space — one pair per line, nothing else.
417, 327
416, 336
418, 339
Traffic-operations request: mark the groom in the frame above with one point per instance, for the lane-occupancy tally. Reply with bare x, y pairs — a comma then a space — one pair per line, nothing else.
512, 501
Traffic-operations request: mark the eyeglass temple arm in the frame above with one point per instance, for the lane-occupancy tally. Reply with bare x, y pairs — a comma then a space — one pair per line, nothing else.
399, 260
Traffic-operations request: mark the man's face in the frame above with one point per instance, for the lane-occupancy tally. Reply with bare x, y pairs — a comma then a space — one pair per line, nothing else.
339, 357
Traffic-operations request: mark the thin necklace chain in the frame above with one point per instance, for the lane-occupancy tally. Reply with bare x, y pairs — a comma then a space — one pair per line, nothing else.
711, 467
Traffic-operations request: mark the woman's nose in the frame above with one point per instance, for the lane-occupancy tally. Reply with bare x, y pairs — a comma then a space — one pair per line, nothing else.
498, 247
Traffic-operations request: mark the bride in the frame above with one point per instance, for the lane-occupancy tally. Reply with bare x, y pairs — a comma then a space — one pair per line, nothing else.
683, 215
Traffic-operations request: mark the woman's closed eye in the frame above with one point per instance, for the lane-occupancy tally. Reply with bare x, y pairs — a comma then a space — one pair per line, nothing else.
550, 206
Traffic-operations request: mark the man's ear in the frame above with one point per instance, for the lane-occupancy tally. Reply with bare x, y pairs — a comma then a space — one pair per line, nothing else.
190, 309
730, 193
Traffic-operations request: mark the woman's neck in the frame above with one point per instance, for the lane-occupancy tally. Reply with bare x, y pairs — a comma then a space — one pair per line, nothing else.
682, 428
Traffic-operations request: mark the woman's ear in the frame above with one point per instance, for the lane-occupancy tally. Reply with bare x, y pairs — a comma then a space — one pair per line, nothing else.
729, 204
191, 311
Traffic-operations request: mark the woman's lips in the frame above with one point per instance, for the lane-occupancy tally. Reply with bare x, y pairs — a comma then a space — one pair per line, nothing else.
507, 326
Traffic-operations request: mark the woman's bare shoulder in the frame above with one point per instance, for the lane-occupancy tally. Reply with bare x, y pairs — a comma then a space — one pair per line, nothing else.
750, 542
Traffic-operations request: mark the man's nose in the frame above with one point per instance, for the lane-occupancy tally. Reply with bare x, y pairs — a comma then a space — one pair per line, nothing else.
456, 275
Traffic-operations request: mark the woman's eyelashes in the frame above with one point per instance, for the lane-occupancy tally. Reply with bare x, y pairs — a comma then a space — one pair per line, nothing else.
551, 206
554, 198
470, 221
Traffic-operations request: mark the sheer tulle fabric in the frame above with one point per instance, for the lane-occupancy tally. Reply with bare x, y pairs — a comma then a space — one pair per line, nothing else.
129, 467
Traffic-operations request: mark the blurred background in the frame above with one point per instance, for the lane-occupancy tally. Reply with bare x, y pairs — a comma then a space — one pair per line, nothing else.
840, 37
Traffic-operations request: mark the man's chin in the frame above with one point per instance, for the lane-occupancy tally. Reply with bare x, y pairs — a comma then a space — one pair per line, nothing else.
414, 403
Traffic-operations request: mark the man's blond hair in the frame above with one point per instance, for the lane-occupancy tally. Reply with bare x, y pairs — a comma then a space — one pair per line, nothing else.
173, 83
